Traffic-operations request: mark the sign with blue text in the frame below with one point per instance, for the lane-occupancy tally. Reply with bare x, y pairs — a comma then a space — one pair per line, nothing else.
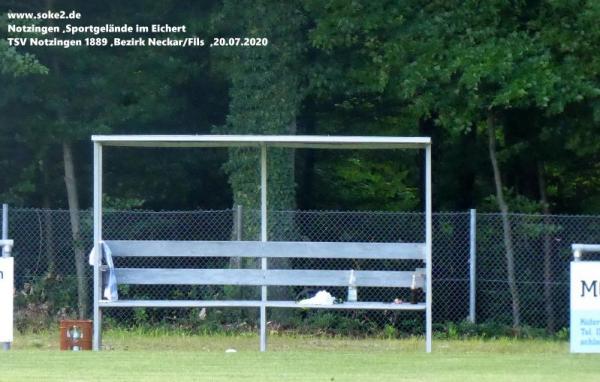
585, 307
6, 299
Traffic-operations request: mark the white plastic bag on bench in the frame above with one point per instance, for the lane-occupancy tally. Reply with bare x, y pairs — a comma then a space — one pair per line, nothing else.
321, 298
109, 279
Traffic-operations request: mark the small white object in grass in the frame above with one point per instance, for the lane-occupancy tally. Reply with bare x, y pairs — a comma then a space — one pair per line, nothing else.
202, 314
230, 351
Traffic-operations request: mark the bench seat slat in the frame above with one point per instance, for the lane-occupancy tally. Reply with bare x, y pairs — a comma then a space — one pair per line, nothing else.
287, 249
349, 305
256, 304
256, 277
180, 303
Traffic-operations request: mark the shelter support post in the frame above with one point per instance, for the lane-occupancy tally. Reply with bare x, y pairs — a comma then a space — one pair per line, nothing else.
428, 244
263, 238
97, 336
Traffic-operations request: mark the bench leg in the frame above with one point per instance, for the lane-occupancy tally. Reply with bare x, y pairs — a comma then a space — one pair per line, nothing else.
263, 328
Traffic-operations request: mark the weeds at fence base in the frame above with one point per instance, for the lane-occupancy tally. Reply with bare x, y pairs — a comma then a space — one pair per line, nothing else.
35, 313
341, 325
43, 301
493, 330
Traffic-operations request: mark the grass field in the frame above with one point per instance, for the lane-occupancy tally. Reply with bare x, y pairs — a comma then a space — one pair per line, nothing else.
162, 357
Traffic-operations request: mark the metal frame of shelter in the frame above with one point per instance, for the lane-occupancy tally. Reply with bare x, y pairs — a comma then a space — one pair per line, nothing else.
261, 142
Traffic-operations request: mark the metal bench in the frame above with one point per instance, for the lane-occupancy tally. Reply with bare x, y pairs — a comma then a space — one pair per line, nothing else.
265, 277
264, 249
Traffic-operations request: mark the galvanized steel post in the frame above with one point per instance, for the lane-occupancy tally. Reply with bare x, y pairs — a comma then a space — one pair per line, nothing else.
429, 246
97, 336
472, 263
238, 222
4, 221
263, 238
5, 250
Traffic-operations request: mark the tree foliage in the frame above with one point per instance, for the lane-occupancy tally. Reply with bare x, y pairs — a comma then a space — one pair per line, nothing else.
331, 67
265, 95
457, 63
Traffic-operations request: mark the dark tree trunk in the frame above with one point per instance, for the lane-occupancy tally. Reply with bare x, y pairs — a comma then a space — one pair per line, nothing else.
507, 234
48, 224
78, 250
73, 203
547, 248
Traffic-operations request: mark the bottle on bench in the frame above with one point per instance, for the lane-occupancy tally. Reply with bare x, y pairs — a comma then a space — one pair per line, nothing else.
414, 291
352, 291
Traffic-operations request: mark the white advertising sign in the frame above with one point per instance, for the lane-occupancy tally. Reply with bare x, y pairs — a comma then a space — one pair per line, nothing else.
6, 299
585, 307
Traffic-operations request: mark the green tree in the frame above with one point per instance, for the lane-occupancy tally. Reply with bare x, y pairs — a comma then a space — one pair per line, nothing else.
465, 66
87, 91
13, 63
265, 95
266, 92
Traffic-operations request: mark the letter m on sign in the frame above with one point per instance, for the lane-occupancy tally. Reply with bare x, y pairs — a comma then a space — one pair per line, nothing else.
591, 288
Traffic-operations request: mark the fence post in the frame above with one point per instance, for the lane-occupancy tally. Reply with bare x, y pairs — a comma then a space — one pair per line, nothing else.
238, 222
4, 221
5, 345
472, 262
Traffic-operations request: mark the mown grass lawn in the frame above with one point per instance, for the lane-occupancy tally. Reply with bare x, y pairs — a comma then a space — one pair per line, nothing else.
162, 357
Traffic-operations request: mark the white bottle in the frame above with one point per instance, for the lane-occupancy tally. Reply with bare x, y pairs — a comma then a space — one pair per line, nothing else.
352, 291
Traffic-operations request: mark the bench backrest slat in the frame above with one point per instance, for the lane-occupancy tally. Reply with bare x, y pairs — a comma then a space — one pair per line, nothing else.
270, 277
300, 249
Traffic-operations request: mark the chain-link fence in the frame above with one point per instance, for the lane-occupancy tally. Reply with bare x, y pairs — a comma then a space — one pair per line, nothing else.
49, 280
